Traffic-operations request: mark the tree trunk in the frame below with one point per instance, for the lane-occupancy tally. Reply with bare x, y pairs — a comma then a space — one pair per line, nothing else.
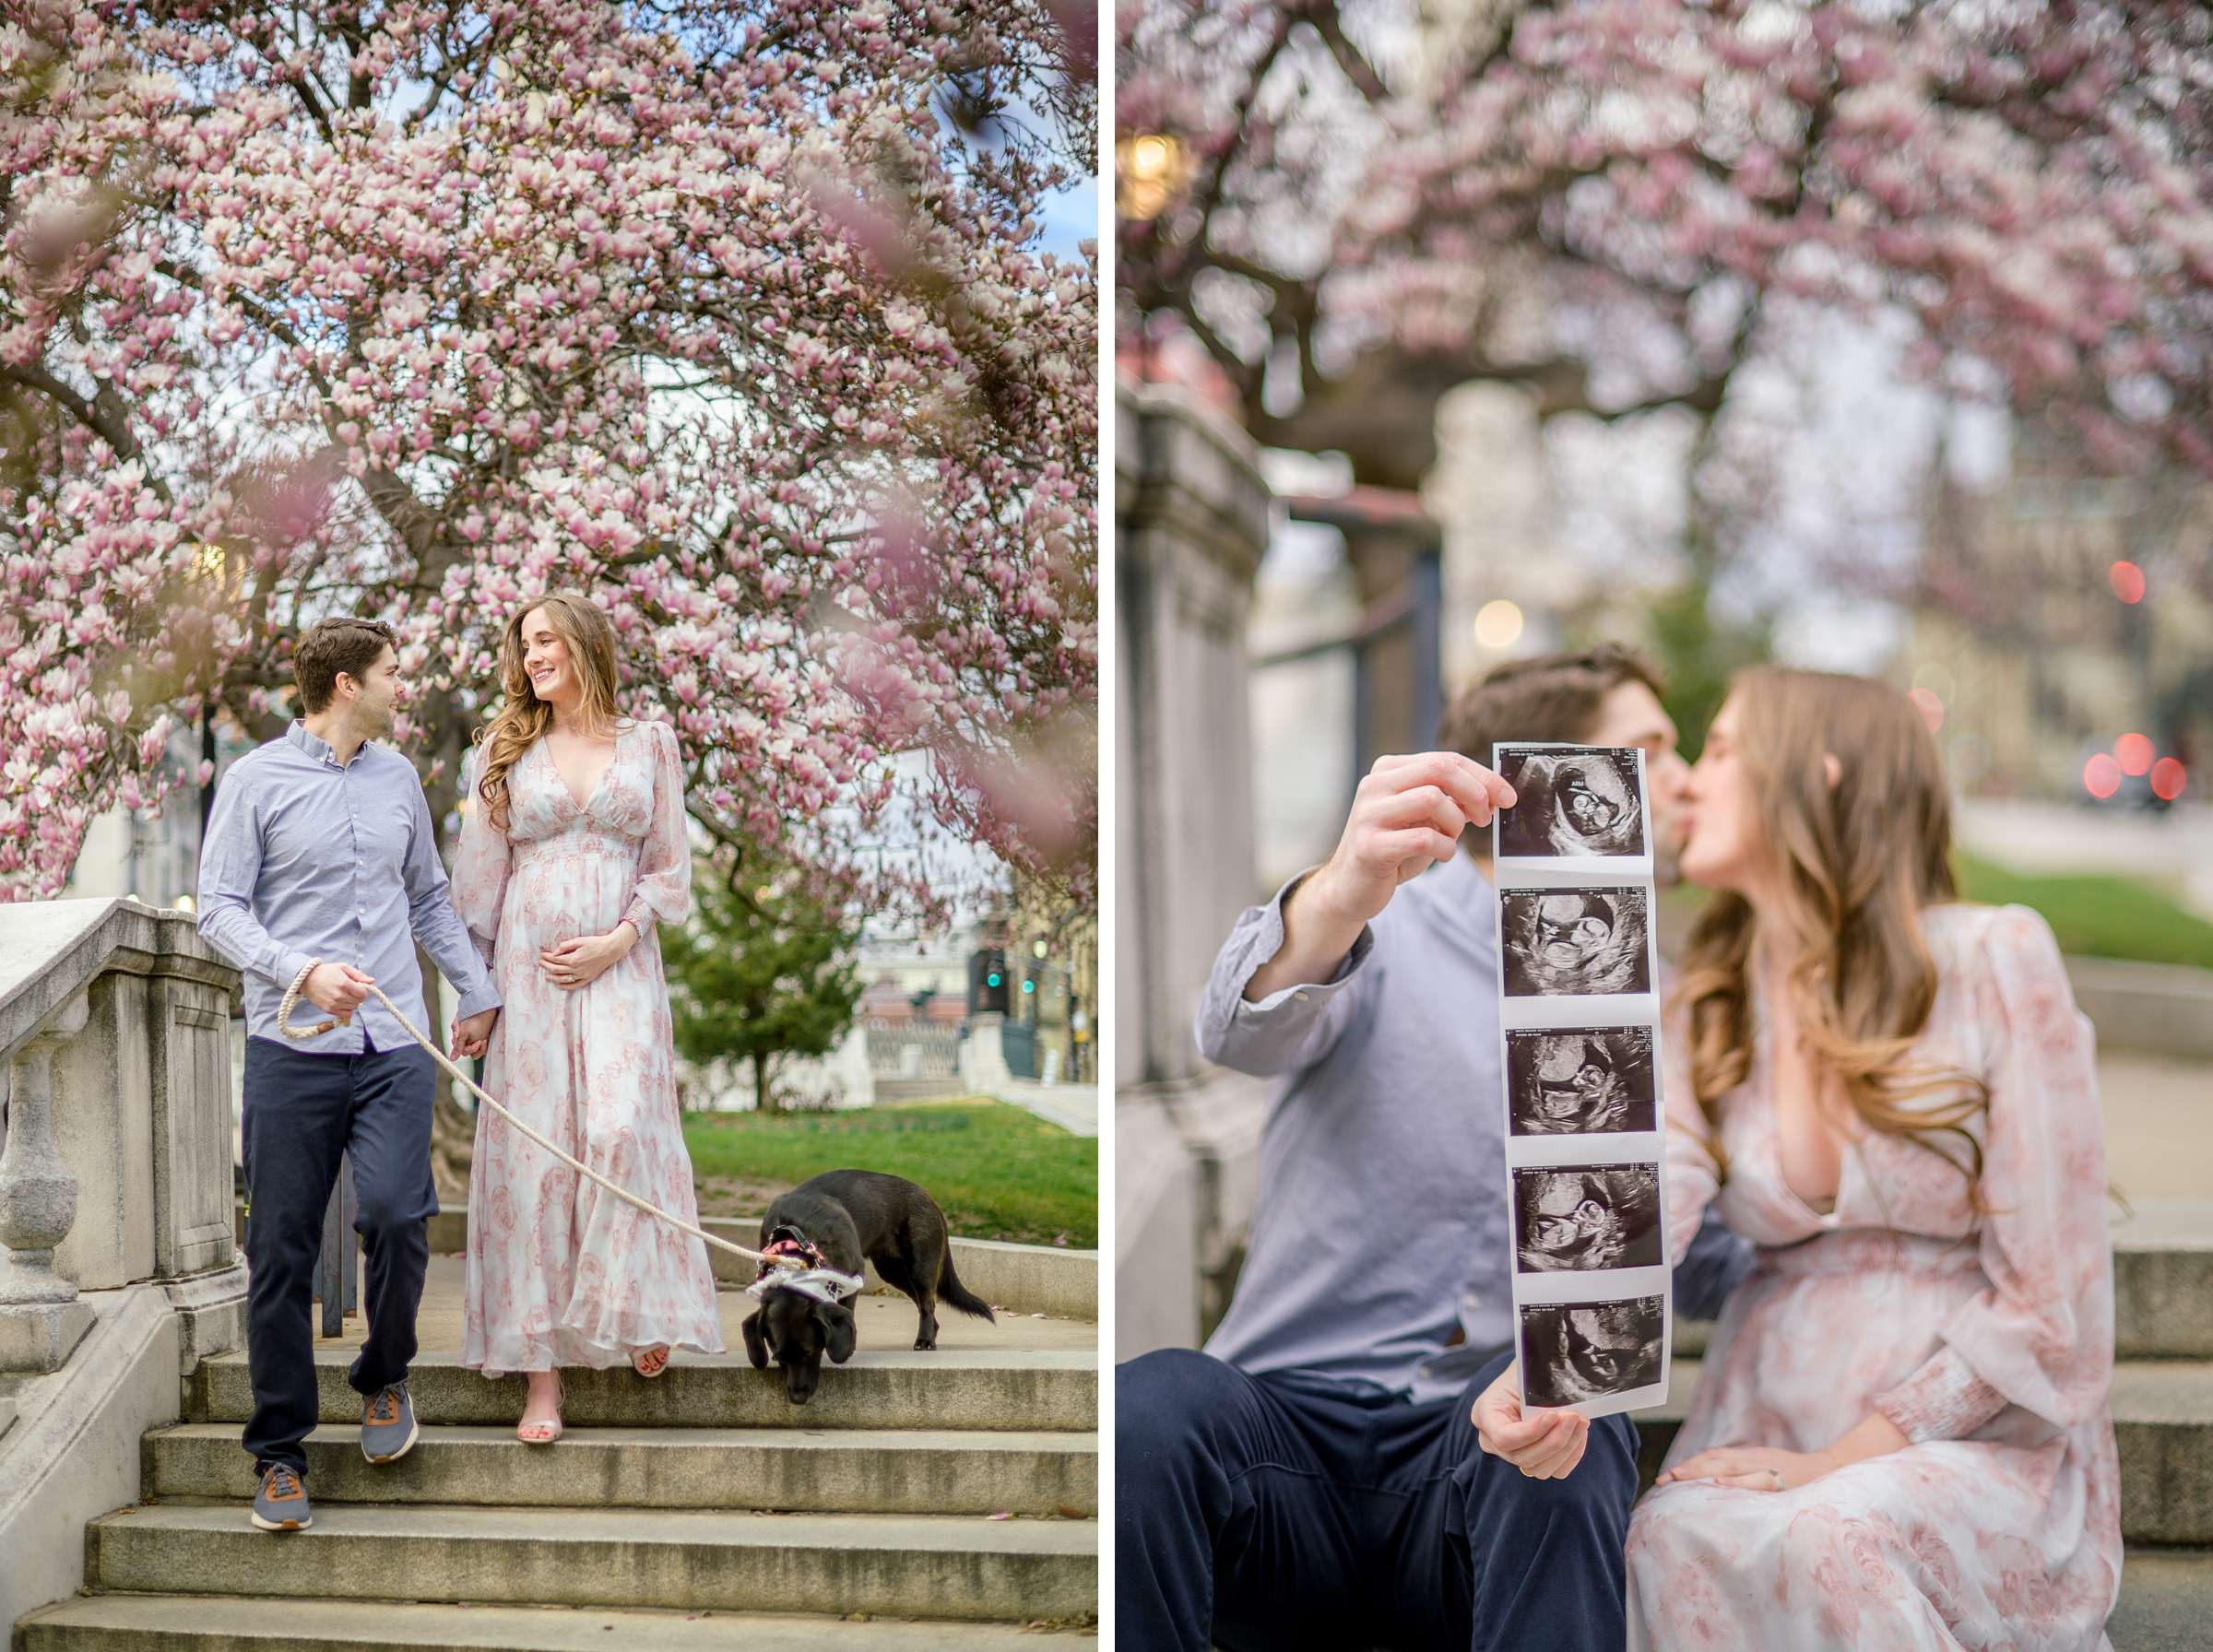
764, 1100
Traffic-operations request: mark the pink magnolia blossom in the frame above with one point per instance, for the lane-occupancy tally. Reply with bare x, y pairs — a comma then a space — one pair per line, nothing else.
2034, 184
732, 316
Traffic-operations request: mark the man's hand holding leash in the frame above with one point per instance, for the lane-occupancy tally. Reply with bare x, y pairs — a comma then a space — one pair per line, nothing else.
337, 989
1407, 815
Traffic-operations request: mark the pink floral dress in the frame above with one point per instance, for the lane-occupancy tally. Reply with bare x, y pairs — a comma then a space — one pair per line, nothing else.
1987, 1338
562, 1272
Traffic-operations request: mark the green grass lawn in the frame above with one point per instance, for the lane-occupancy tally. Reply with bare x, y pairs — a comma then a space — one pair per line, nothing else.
2096, 917
996, 1170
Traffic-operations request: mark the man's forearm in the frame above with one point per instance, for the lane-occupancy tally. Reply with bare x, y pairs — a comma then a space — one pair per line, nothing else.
1316, 938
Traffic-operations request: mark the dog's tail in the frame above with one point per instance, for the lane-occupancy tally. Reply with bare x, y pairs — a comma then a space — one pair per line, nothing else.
952, 1294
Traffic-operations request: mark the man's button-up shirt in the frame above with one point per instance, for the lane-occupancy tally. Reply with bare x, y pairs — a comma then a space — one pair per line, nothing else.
307, 859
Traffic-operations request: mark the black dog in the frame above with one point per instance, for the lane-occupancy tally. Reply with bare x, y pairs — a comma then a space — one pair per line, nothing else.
844, 1216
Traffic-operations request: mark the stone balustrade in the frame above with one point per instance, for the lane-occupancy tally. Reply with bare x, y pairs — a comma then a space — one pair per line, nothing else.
115, 1144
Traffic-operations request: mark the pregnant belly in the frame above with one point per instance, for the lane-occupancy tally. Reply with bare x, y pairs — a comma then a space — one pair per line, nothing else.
552, 898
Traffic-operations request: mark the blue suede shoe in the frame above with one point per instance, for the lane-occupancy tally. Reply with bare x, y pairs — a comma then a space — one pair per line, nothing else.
388, 1424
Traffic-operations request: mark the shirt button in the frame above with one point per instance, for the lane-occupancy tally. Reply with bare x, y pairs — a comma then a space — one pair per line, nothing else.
1300, 997
1471, 1301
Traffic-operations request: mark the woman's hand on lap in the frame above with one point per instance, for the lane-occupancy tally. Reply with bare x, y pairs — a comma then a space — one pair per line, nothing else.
1544, 1445
1753, 1467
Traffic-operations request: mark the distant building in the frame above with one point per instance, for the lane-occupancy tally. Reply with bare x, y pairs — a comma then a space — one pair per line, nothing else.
2024, 634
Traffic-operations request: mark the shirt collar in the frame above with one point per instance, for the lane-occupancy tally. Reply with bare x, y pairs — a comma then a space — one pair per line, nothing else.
315, 746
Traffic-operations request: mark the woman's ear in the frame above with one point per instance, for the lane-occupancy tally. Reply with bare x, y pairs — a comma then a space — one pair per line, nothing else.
1832, 769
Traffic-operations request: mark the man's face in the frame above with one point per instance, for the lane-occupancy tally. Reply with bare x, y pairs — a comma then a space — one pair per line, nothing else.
1631, 715
1567, 934
375, 689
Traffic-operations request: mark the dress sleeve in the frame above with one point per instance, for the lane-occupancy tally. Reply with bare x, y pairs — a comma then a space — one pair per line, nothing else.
1694, 1175
2042, 1335
664, 890
479, 868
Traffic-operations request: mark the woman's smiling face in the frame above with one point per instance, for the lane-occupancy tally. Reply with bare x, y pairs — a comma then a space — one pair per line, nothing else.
546, 660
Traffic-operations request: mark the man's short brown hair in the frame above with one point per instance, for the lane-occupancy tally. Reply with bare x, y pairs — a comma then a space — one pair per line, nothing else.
1552, 697
330, 646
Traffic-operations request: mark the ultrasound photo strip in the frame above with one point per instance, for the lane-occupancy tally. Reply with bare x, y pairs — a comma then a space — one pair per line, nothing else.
1579, 1036
1582, 805
1580, 1081
1594, 1355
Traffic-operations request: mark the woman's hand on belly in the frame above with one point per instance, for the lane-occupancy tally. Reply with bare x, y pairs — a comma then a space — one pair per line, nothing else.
1766, 1469
583, 959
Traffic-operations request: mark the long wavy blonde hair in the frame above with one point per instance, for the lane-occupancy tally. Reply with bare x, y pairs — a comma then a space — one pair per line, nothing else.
523, 716
1858, 861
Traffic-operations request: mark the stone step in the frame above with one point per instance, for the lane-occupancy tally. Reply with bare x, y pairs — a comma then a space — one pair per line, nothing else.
2163, 1280
2165, 1601
849, 1471
889, 1388
2162, 1430
222, 1623
911, 1565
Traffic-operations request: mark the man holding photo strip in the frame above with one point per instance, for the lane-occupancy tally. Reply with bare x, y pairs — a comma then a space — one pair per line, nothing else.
1348, 1464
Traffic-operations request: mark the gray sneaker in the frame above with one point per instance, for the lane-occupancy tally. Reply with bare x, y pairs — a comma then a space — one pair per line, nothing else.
388, 1424
282, 1502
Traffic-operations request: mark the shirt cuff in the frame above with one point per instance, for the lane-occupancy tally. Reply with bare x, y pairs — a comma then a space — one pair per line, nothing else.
476, 1001
285, 966
638, 915
1267, 939
1944, 1400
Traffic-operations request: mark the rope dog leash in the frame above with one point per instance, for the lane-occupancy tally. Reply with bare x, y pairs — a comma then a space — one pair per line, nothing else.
818, 1278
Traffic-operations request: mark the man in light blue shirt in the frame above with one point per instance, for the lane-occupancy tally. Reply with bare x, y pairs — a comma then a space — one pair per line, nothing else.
1347, 1464
320, 871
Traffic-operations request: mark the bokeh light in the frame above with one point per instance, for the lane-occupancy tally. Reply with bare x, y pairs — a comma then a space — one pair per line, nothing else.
1498, 624
2133, 752
1931, 708
2102, 777
2128, 581
2169, 779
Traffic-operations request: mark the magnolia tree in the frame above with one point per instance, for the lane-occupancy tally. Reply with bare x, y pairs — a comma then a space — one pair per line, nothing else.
1347, 203
733, 316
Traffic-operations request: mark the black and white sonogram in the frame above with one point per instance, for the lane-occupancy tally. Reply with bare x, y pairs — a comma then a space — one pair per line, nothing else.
1571, 804
1580, 1081
1581, 1218
1575, 942
1574, 1351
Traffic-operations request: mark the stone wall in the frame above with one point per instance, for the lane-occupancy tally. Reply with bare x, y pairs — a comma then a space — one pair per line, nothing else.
1191, 521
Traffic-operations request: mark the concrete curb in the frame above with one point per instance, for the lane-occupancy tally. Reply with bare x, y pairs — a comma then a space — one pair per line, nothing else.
2157, 1008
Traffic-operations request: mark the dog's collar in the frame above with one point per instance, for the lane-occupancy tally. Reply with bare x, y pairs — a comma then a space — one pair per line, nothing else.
813, 1278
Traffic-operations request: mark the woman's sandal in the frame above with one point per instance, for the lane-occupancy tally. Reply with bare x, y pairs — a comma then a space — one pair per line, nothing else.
650, 1361
542, 1433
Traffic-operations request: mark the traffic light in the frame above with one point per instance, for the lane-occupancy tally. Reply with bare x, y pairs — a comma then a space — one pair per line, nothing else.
987, 981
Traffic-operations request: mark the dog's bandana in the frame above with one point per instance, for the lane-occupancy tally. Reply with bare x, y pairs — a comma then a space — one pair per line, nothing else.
815, 1279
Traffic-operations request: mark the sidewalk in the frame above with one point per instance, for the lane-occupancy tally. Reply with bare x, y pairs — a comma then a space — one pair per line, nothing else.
1074, 1107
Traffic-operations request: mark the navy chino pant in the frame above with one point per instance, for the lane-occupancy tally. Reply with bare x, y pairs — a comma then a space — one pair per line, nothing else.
301, 1112
1290, 1514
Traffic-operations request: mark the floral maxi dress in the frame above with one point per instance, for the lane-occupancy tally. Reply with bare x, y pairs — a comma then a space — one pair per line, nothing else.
1986, 1335
561, 1272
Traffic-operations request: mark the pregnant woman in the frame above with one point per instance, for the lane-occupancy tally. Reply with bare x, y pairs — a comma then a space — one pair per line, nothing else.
1901, 1440
573, 848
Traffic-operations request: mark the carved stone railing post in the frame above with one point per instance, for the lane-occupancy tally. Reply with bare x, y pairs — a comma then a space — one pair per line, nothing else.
40, 1319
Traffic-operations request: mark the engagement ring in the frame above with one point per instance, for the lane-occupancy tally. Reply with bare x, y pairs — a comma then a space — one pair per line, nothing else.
1778, 1474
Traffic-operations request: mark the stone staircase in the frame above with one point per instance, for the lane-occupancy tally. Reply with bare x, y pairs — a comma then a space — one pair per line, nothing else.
2162, 1424
920, 1501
